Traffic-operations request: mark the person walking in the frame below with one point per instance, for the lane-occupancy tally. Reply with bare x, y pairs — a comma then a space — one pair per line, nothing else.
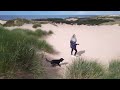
73, 44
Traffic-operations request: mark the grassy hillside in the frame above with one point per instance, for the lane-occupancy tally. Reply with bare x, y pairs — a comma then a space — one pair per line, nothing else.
18, 58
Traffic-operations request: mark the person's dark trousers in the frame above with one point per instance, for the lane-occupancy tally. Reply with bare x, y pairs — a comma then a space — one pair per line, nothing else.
72, 51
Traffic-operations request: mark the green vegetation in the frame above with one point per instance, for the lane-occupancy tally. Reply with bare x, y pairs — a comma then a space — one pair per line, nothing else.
39, 22
50, 19
114, 70
92, 21
20, 22
86, 21
16, 22
82, 69
111, 23
37, 33
0, 24
50, 32
108, 17
113, 20
18, 58
36, 25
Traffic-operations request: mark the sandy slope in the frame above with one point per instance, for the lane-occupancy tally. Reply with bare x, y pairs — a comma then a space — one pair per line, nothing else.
25, 26
2, 22
99, 42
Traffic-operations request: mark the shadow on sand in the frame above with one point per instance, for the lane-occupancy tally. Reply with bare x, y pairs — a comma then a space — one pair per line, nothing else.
64, 63
80, 52
60, 64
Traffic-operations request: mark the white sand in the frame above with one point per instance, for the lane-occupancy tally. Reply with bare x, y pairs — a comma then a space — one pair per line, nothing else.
2, 21
99, 42
25, 26
71, 19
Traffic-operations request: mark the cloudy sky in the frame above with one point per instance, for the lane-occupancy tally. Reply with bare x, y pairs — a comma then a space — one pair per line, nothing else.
59, 12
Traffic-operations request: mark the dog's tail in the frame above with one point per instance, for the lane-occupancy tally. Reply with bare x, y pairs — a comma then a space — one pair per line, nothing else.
47, 60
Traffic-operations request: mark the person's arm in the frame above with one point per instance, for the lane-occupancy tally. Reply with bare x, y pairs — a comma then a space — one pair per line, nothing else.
77, 44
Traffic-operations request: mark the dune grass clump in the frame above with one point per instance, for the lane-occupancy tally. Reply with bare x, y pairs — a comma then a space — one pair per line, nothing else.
37, 33
40, 32
82, 69
33, 36
92, 21
18, 54
36, 25
0, 24
114, 70
50, 32
16, 22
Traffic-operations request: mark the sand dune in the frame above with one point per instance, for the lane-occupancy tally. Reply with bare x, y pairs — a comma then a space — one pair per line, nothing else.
97, 42
25, 26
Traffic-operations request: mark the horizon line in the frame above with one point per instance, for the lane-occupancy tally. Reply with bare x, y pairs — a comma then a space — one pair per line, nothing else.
67, 15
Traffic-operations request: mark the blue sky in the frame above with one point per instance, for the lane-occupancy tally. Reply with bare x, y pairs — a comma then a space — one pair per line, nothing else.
59, 12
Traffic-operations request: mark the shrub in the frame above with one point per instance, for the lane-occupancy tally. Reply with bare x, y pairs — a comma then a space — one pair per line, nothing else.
50, 32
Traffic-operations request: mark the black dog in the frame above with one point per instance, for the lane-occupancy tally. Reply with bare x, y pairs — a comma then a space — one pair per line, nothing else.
55, 62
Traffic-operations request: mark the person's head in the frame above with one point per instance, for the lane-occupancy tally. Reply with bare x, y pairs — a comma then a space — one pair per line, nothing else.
74, 38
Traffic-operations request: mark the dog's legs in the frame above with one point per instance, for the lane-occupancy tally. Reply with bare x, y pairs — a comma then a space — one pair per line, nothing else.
53, 65
59, 65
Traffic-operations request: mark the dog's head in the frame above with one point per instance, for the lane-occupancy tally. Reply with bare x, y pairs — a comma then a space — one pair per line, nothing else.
61, 59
